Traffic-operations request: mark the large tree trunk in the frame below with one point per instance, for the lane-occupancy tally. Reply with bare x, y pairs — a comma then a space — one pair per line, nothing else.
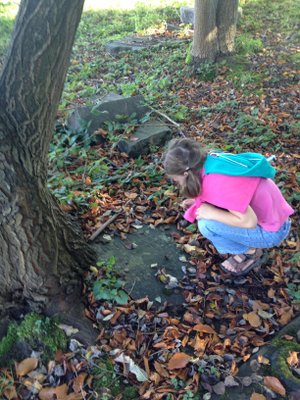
215, 28
41, 250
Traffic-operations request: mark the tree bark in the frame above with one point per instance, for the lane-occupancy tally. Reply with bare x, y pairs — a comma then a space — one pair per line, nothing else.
215, 29
205, 42
41, 249
227, 15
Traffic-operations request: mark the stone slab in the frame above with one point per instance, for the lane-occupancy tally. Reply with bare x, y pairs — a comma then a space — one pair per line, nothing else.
111, 107
152, 133
128, 44
140, 256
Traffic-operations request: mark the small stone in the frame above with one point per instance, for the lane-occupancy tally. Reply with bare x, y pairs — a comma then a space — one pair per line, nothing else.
58, 371
230, 381
296, 372
192, 270
254, 365
106, 238
219, 388
295, 395
183, 259
247, 381
269, 393
255, 350
206, 396
257, 378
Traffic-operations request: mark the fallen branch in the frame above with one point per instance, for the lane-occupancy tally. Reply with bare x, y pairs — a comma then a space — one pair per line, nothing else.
102, 227
170, 120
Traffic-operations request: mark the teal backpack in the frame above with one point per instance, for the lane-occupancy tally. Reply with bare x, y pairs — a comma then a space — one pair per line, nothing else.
243, 164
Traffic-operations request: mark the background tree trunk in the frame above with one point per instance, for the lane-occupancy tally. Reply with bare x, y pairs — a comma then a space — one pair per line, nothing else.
40, 248
205, 42
227, 15
215, 29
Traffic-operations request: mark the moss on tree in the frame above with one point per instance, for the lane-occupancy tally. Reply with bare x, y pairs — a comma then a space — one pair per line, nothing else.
37, 332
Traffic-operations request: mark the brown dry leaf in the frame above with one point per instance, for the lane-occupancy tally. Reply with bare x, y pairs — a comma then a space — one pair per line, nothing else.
274, 384
48, 393
286, 316
203, 328
189, 249
10, 393
78, 382
257, 396
263, 360
161, 369
179, 360
72, 396
27, 365
292, 359
131, 195
271, 293
253, 319
288, 337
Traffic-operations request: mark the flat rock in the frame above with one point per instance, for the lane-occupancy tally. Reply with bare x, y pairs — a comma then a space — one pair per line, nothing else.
112, 107
132, 43
153, 133
153, 249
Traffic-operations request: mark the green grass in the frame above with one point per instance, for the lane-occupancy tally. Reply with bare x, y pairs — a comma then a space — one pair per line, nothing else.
8, 12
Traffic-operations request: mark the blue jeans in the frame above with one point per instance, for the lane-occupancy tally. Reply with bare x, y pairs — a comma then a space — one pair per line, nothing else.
234, 240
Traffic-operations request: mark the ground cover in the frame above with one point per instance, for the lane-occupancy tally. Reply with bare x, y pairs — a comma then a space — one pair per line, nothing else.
248, 102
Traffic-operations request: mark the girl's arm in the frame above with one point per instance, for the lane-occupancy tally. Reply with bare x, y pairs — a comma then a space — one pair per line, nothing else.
229, 217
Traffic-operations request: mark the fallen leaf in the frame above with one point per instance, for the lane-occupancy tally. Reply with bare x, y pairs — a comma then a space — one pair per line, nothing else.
203, 328
69, 330
10, 393
78, 382
131, 195
48, 393
179, 360
139, 373
257, 396
27, 365
292, 359
253, 319
263, 360
286, 317
265, 315
275, 385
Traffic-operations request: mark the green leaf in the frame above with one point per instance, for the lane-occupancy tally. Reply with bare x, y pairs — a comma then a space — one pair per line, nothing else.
122, 297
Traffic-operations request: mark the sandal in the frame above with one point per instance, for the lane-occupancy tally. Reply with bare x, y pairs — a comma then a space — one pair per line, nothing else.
241, 264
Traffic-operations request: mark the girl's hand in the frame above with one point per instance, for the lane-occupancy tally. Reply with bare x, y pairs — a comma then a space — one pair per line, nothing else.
187, 203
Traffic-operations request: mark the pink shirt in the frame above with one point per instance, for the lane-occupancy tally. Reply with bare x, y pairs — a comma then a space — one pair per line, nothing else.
237, 193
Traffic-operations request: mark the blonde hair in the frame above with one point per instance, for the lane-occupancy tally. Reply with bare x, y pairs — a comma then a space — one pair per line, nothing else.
184, 157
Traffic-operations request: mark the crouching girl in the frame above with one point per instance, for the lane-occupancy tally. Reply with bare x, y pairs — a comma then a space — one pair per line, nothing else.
238, 210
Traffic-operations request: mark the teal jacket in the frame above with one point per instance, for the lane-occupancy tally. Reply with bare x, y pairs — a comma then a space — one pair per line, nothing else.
243, 164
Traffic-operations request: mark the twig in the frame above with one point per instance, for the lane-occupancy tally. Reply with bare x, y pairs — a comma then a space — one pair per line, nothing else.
170, 120
102, 227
